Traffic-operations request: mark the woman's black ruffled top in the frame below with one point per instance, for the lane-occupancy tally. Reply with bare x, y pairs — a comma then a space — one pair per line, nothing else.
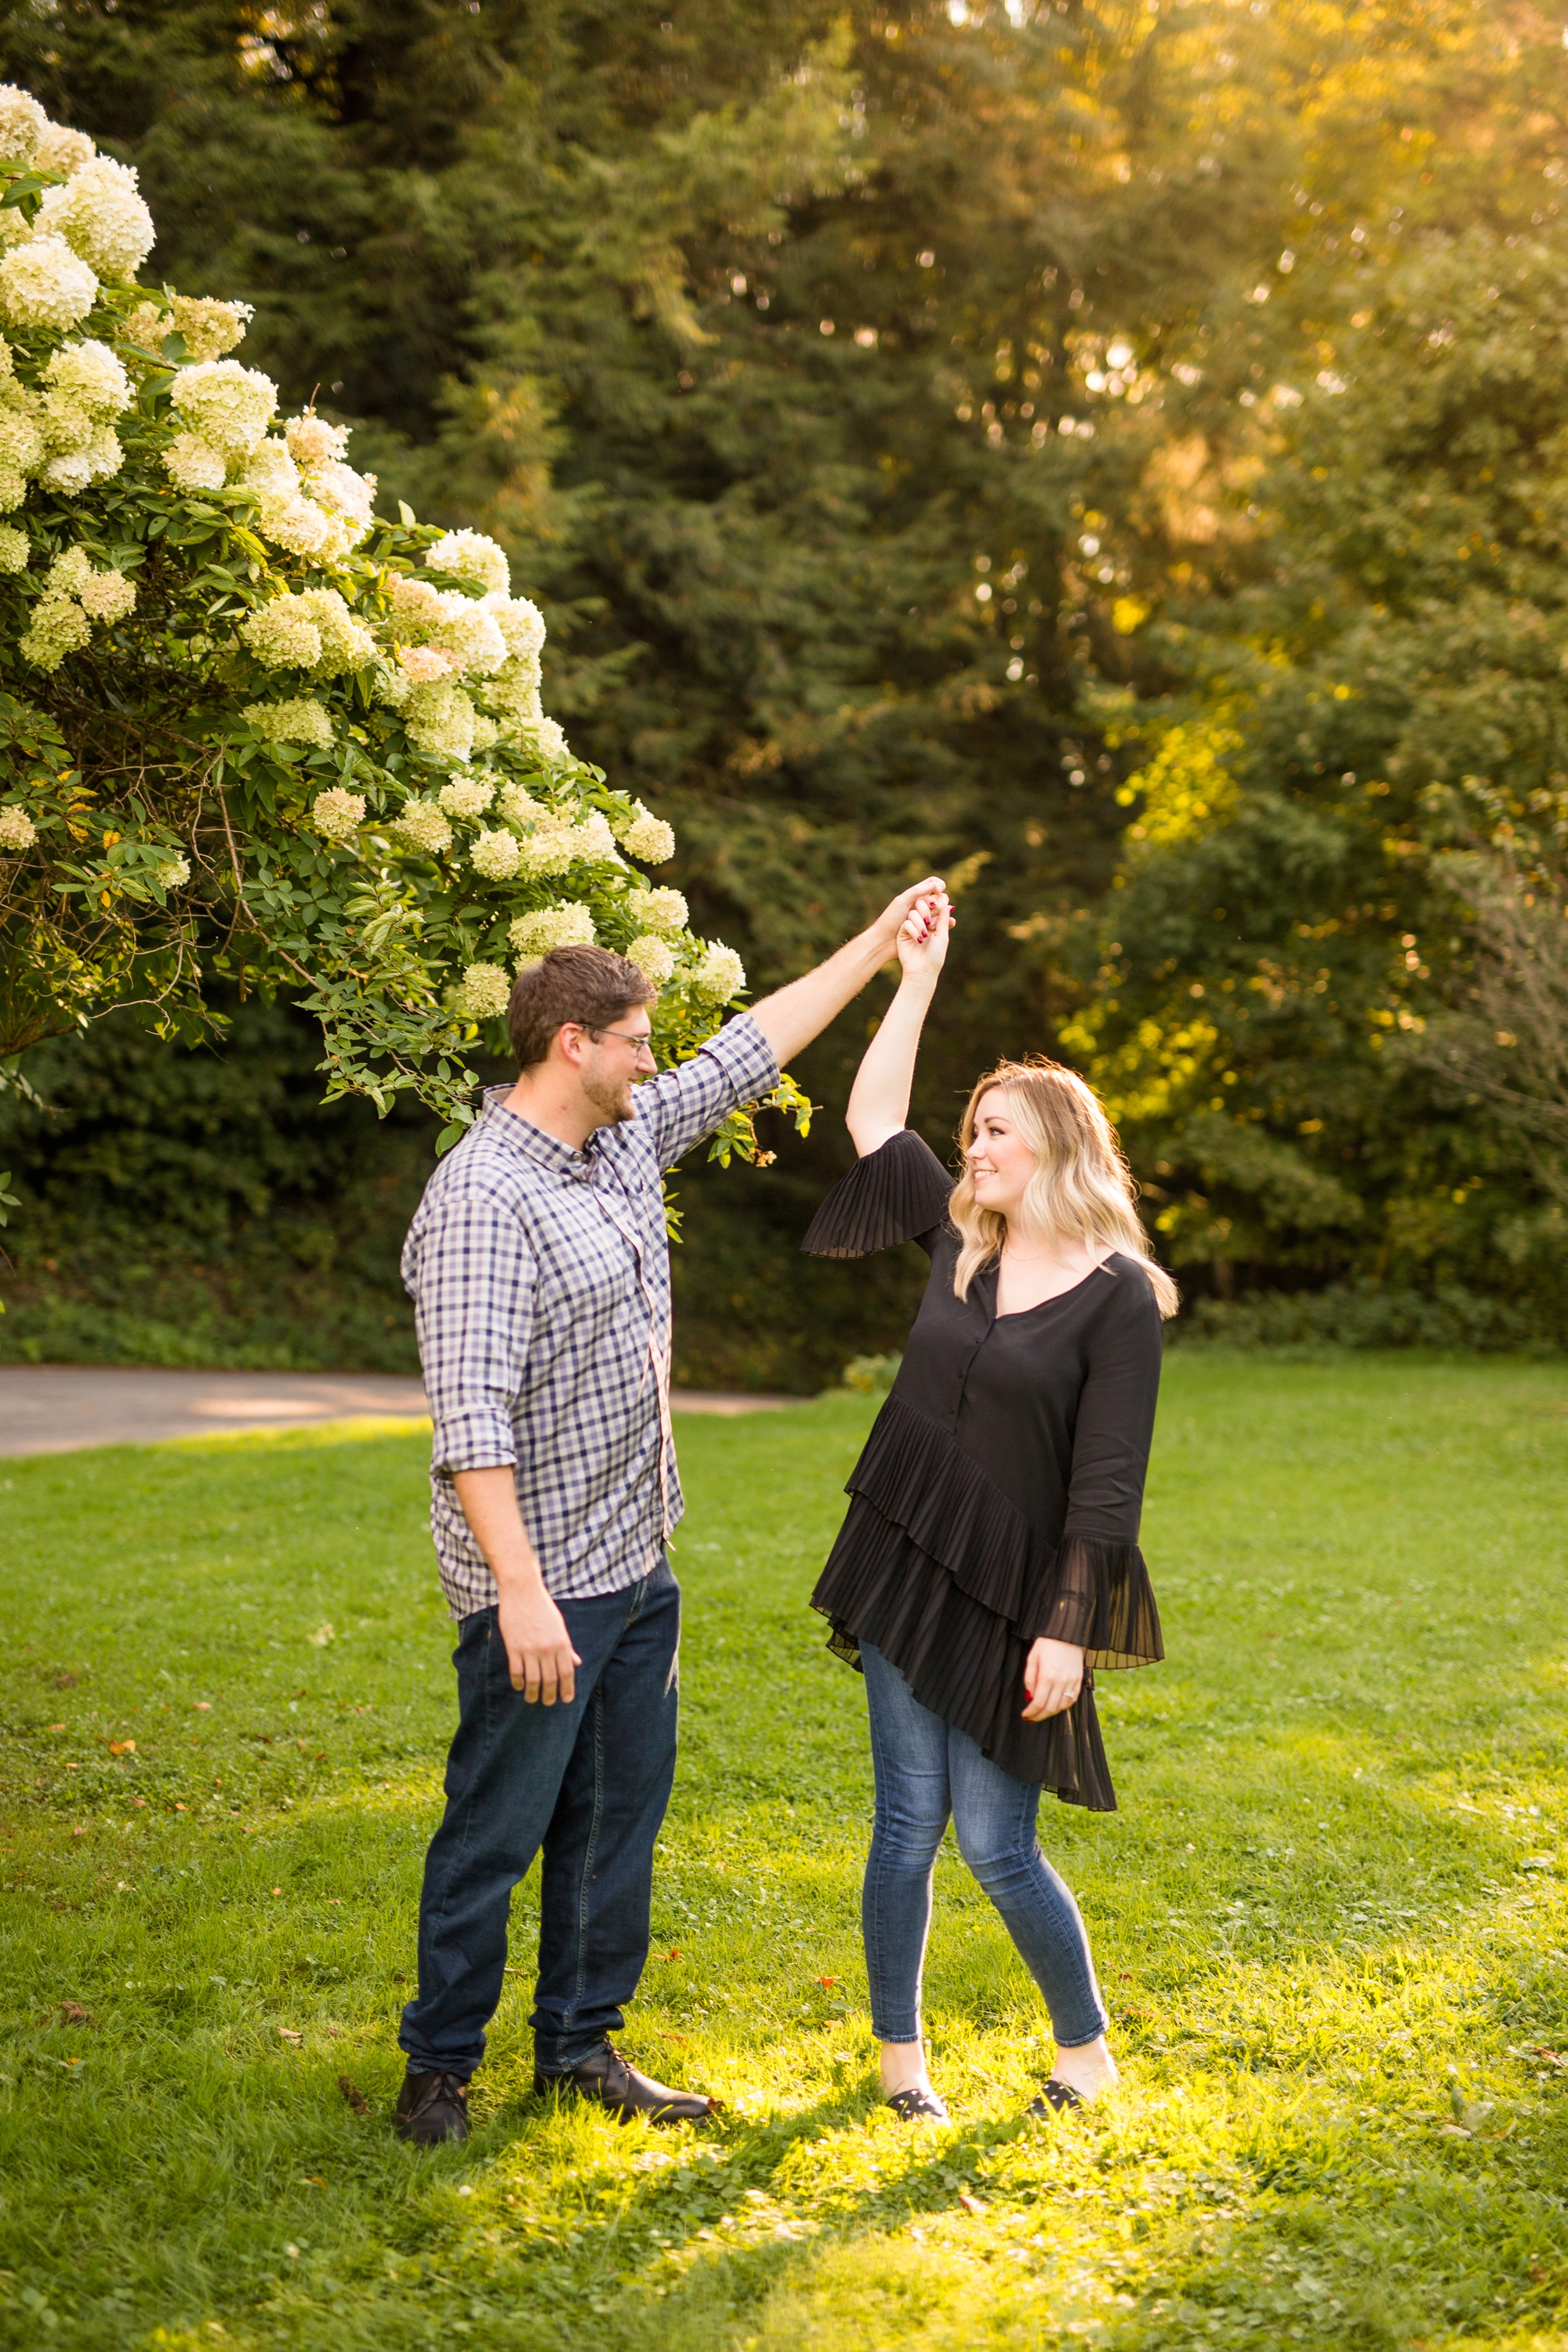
998, 1496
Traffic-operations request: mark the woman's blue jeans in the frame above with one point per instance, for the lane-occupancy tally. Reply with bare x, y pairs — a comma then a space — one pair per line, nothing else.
928, 1772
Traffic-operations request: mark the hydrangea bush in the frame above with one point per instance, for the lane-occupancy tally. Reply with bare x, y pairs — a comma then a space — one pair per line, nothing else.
247, 725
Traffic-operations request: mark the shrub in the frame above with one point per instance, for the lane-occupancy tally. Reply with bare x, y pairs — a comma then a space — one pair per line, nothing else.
249, 728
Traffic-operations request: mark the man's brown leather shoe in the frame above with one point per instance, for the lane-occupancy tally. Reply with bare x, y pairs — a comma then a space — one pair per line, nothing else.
432, 2109
607, 2078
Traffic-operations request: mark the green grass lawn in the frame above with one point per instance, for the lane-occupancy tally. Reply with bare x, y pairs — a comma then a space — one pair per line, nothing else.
1330, 1919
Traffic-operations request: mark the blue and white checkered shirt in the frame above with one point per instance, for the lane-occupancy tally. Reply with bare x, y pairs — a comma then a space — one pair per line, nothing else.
540, 1280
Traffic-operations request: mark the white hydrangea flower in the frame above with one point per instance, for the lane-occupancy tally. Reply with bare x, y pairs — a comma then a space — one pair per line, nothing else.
549, 848
174, 873
440, 720
23, 124
720, 976
108, 596
348, 497
538, 739
12, 489
513, 695
229, 406
283, 635
67, 429
89, 375
313, 442
466, 796
18, 830
470, 634
565, 925
516, 803
392, 686
335, 813
520, 623
101, 218
592, 840
208, 329
13, 549
422, 827
269, 470
68, 574
300, 721
426, 664
415, 605
469, 555
654, 958
104, 454
343, 535
346, 643
70, 472
661, 911
146, 327
193, 464
297, 525
648, 838
487, 734
293, 519
43, 284
21, 429
64, 152
58, 626
486, 990
496, 855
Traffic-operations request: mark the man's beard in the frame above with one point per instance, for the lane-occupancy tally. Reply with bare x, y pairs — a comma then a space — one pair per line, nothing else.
612, 1098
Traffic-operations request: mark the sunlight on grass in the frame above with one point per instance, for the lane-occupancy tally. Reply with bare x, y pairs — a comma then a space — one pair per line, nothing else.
1331, 1920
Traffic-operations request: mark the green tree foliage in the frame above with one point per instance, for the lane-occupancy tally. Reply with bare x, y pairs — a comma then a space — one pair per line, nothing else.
1385, 693
907, 417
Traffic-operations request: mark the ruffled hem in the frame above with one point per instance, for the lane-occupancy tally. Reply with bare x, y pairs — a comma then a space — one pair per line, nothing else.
897, 1192
1084, 1590
915, 1474
962, 1661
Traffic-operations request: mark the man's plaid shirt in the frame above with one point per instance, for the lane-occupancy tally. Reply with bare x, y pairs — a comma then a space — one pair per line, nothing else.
540, 1279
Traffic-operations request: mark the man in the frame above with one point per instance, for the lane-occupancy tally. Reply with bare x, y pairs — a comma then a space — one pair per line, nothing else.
540, 1268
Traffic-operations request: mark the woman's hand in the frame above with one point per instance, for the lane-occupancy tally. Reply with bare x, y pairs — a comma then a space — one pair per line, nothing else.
922, 936
879, 1098
1053, 1676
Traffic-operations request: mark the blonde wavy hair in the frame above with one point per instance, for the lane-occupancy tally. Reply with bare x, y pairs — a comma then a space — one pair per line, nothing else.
1082, 1189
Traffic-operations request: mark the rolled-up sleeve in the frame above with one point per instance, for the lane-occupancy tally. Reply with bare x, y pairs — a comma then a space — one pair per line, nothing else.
474, 1278
737, 1066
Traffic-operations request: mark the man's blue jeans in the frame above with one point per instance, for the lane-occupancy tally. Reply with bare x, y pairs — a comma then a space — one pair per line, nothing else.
589, 1783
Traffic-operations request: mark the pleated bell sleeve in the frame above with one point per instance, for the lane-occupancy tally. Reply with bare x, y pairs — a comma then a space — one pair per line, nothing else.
1098, 1594
897, 1193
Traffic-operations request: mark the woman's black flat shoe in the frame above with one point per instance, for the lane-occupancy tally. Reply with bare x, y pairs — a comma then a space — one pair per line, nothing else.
918, 2107
1053, 2099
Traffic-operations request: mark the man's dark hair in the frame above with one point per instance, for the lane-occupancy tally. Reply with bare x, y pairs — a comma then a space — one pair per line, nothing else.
584, 985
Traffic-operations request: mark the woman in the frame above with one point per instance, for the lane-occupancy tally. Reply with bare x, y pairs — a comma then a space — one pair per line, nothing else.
989, 1561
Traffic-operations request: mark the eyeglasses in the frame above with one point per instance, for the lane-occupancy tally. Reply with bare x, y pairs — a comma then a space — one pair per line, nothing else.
638, 1044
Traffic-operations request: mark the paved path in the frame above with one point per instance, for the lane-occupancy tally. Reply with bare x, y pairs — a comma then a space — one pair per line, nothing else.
55, 1408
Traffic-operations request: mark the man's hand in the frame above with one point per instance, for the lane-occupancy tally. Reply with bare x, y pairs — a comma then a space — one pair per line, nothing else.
891, 920
539, 1653
1053, 1676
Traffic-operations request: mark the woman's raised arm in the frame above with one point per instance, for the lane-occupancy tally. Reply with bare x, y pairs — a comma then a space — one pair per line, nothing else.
879, 1098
